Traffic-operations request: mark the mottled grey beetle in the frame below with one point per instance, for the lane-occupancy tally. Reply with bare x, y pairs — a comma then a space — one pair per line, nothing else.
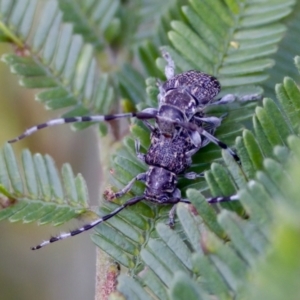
178, 133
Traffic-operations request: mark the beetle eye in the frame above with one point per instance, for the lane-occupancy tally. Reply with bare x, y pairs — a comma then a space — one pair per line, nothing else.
163, 198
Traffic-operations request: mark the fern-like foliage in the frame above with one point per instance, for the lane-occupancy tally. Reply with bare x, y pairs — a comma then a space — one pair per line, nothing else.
232, 40
282, 257
229, 39
39, 195
54, 59
96, 21
194, 260
287, 49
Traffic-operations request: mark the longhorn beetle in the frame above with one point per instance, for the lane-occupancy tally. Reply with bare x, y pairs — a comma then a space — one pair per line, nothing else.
181, 128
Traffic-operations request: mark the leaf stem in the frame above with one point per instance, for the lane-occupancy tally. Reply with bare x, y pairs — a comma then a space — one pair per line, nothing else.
11, 36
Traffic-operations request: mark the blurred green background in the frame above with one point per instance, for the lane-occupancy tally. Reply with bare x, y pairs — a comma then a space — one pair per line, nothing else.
26, 274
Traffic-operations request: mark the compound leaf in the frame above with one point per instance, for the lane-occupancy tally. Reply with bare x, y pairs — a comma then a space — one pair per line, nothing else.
39, 195
69, 75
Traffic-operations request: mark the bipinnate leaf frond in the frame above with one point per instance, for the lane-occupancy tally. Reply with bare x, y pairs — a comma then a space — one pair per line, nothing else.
54, 59
36, 193
232, 40
96, 21
196, 247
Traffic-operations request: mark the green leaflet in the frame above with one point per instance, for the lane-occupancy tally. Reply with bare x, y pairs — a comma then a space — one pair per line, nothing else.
39, 195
